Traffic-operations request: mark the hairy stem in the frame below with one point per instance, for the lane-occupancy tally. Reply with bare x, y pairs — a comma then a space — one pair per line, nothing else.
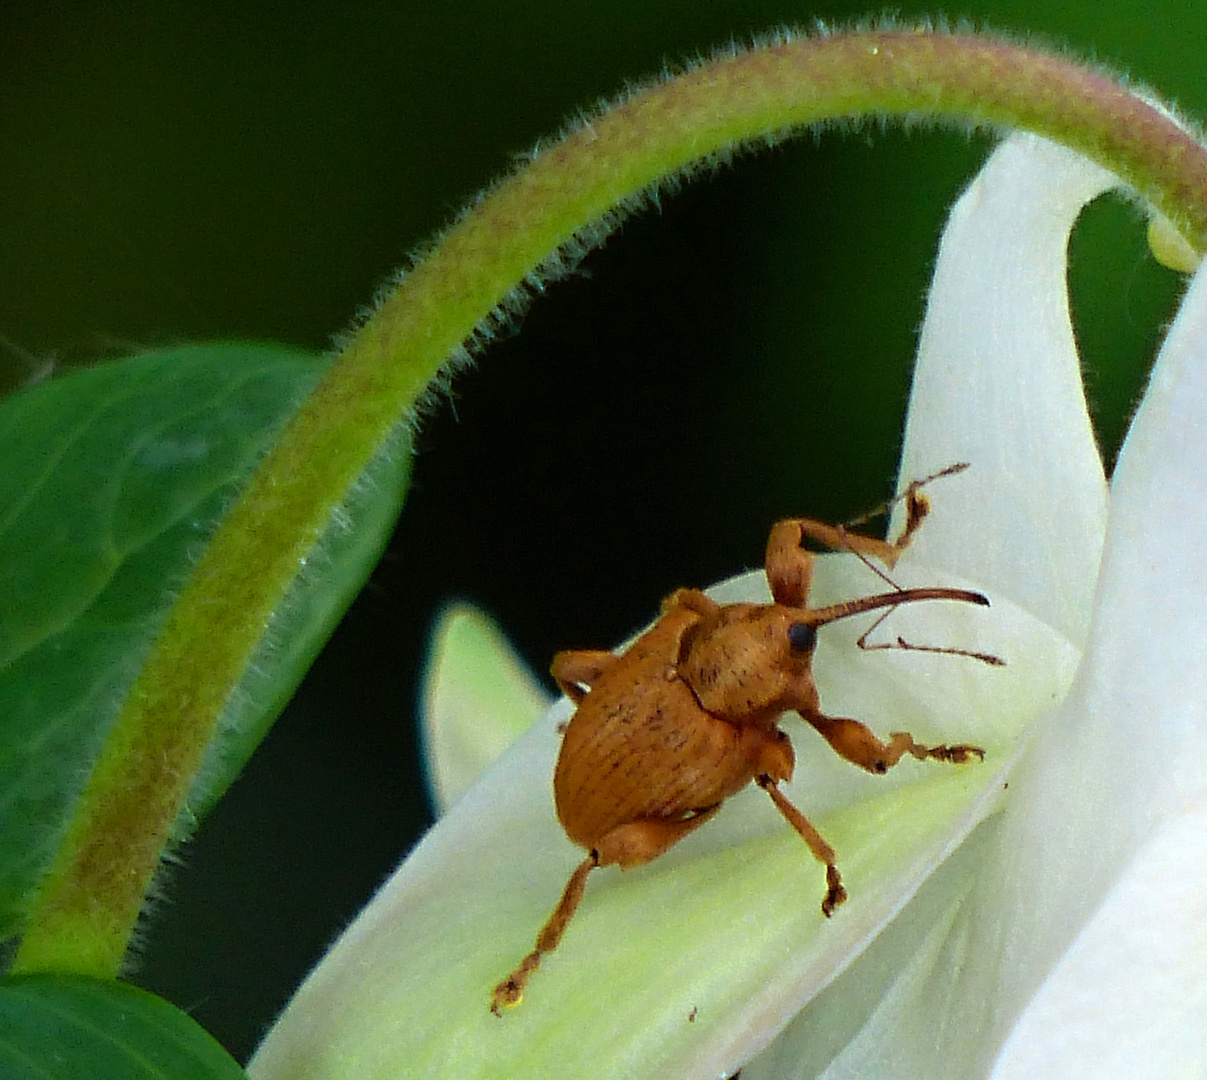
565, 198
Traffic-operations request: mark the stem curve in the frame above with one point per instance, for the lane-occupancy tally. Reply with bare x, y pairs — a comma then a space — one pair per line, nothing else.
527, 228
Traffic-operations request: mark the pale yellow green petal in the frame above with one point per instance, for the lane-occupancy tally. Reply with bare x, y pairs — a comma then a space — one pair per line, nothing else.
478, 698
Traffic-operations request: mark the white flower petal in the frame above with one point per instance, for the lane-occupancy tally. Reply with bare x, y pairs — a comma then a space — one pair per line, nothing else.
692, 963
695, 961
1126, 748
1149, 661
878, 1017
998, 384
1129, 999
478, 698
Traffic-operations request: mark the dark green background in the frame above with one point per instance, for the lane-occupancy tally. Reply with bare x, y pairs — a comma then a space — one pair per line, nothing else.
181, 171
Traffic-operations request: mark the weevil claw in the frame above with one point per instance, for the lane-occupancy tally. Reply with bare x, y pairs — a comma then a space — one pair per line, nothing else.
835, 893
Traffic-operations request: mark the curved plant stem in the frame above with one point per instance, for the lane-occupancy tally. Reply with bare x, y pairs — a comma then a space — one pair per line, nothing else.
566, 197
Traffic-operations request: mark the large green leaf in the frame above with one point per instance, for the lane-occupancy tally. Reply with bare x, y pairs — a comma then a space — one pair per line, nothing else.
54, 1027
112, 480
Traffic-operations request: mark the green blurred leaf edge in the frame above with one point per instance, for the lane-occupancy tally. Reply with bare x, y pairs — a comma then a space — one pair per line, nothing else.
115, 478
55, 1027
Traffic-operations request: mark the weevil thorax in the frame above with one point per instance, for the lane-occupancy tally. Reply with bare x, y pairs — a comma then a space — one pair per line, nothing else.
747, 664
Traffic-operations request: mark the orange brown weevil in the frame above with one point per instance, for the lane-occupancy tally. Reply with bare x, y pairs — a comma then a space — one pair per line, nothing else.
688, 715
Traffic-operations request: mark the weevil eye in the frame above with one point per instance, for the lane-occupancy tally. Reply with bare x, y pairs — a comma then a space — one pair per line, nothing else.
802, 637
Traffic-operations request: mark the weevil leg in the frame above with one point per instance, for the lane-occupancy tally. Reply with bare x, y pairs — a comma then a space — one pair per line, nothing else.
857, 744
576, 668
641, 841
511, 990
790, 567
693, 600
917, 506
822, 852
627, 845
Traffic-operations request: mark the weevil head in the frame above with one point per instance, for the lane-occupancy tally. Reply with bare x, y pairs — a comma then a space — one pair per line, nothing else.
750, 662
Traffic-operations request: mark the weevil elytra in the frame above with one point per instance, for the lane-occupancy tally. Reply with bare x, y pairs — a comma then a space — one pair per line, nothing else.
688, 715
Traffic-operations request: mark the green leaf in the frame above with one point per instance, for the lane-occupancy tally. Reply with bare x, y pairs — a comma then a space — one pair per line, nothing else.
72, 1028
114, 478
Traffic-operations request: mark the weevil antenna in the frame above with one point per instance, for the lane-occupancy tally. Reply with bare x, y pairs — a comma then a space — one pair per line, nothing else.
893, 600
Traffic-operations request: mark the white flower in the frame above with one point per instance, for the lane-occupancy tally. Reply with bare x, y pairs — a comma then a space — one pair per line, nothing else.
1074, 899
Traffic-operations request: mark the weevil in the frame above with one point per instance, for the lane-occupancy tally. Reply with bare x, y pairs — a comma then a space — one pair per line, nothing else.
688, 715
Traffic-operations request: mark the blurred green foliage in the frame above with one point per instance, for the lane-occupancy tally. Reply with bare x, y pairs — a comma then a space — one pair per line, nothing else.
113, 478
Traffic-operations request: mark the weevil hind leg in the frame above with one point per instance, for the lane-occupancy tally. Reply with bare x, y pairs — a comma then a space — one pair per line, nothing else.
856, 743
631, 844
638, 842
822, 852
511, 990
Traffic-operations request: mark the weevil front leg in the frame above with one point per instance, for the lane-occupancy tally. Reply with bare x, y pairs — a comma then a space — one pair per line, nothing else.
790, 567
773, 760
822, 852
857, 744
